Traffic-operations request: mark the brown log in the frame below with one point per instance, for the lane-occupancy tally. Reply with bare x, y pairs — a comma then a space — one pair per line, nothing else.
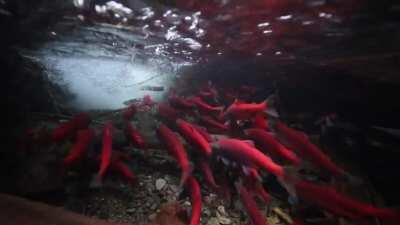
18, 211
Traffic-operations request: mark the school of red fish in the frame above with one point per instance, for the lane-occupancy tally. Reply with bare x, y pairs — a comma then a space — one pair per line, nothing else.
222, 133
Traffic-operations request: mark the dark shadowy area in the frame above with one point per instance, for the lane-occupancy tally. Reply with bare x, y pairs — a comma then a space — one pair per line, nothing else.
25, 88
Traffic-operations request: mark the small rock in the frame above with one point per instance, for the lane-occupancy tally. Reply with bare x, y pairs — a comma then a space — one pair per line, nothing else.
131, 210
224, 220
213, 221
282, 215
160, 183
187, 204
235, 215
221, 210
273, 220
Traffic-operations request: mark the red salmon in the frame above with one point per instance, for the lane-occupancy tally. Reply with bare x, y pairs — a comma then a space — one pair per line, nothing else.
106, 149
78, 151
176, 149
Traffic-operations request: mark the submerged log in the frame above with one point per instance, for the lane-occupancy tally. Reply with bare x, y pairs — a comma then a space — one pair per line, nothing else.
19, 211
16, 211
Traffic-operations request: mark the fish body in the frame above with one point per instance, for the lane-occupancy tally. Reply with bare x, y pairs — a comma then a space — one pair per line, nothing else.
260, 122
327, 197
256, 187
63, 131
210, 122
148, 101
194, 137
220, 117
262, 193
251, 172
203, 131
135, 137
106, 150
167, 112
241, 110
268, 143
204, 107
195, 196
205, 95
176, 149
67, 129
208, 93
180, 102
301, 143
208, 174
250, 206
78, 151
246, 154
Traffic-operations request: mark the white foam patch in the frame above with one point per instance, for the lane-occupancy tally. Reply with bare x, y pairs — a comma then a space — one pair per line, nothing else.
105, 83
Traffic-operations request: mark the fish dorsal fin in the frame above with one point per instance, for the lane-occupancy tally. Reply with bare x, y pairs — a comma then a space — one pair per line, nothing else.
248, 142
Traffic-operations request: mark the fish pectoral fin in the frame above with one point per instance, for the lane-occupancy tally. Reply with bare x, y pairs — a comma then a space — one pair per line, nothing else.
225, 161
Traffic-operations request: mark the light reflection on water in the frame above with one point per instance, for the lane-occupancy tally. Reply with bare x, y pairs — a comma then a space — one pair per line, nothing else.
95, 61
101, 75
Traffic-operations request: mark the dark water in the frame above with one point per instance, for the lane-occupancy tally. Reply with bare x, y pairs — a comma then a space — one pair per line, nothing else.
322, 56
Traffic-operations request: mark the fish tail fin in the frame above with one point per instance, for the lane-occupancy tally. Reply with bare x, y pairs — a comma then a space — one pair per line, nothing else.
289, 187
288, 183
270, 99
272, 112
